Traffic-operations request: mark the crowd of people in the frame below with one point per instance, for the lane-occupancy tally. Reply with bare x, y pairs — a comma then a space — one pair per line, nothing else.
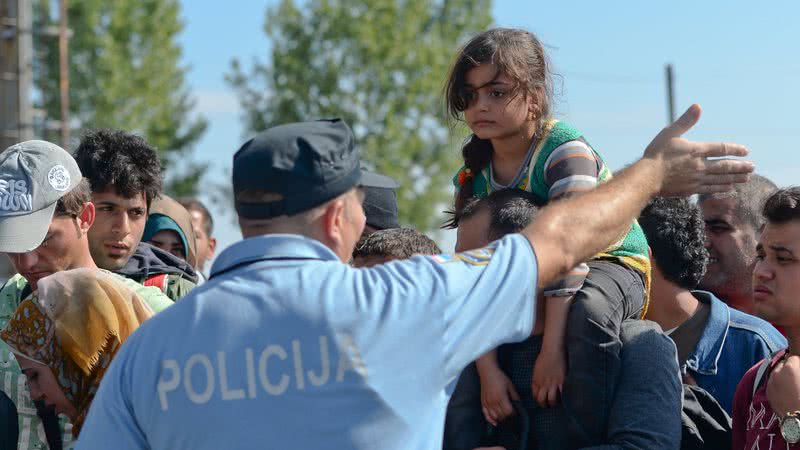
579, 309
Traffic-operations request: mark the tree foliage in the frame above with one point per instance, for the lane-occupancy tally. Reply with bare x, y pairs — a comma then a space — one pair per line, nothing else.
124, 72
380, 65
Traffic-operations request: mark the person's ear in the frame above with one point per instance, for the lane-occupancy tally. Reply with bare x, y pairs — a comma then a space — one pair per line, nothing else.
212, 247
532, 99
86, 217
333, 222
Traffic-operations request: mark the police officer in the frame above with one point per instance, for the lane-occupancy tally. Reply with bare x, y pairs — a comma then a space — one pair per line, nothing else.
380, 205
287, 347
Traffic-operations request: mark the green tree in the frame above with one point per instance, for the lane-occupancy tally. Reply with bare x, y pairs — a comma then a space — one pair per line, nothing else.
125, 72
380, 65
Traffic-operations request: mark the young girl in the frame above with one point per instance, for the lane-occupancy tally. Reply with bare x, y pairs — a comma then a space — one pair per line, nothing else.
500, 86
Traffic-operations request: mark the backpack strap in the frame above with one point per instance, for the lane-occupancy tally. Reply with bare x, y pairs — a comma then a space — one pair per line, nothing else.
159, 281
762, 370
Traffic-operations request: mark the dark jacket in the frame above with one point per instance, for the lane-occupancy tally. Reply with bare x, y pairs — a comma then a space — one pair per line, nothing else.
148, 260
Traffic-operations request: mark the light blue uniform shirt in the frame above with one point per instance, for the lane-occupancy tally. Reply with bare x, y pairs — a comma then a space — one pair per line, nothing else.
286, 347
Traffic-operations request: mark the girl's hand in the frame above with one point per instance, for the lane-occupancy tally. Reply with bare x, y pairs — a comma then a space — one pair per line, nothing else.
548, 378
497, 392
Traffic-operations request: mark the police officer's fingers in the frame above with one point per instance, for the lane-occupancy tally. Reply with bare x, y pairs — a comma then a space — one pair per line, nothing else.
720, 149
685, 122
677, 128
731, 179
714, 189
727, 167
665, 141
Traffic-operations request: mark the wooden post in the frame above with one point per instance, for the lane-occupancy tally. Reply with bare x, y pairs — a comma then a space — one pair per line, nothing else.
63, 83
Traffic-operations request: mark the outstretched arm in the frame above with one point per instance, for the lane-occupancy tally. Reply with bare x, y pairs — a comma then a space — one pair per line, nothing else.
572, 230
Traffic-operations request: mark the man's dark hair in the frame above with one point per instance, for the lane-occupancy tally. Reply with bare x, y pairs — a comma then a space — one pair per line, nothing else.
675, 230
124, 162
783, 206
193, 204
71, 203
511, 210
398, 243
749, 197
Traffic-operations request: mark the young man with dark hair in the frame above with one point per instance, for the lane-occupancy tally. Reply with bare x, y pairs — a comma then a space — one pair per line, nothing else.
716, 344
766, 409
44, 222
125, 176
203, 225
383, 246
733, 222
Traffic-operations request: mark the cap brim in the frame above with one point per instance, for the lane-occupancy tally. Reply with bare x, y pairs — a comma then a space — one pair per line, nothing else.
372, 179
19, 234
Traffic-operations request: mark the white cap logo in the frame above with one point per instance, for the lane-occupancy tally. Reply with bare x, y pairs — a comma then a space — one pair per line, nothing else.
58, 177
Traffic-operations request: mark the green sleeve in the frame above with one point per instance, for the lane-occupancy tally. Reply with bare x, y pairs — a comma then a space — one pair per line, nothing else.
151, 295
178, 287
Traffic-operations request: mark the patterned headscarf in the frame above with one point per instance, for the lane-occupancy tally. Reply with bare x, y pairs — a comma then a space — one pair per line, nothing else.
74, 325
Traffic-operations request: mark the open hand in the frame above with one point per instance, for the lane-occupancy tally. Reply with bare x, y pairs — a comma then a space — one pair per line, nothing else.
686, 167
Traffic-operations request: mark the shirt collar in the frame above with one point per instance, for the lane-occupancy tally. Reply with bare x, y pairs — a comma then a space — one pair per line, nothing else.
271, 246
709, 348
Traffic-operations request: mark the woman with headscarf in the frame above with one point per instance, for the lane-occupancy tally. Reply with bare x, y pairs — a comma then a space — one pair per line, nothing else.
169, 227
65, 337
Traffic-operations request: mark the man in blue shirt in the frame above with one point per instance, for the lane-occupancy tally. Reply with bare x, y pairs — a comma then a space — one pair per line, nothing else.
716, 344
287, 347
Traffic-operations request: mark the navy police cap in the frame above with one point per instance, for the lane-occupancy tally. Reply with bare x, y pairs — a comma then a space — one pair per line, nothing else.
292, 168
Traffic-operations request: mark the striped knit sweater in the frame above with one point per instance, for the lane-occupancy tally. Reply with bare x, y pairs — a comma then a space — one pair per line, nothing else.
553, 170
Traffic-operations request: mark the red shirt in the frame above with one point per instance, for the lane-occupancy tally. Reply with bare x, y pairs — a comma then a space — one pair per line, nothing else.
755, 425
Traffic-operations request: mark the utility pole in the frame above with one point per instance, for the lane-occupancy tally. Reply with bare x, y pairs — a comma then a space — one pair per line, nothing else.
16, 55
63, 64
670, 94
16, 66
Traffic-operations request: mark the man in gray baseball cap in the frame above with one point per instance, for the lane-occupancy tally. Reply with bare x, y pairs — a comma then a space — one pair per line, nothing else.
33, 176
45, 216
